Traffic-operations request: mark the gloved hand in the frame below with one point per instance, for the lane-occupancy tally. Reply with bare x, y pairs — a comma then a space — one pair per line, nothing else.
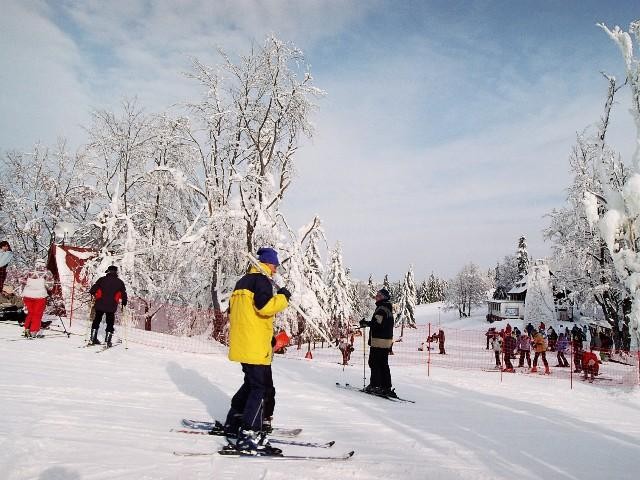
364, 323
284, 292
273, 342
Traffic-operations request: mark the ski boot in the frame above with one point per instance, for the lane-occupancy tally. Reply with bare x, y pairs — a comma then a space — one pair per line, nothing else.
26, 333
247, 442
230, 434
390, 392
251, 442
94, 338
534, 369
107, 339
267, 448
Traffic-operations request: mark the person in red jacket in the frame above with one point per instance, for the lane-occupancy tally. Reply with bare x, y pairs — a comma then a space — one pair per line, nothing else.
590, 365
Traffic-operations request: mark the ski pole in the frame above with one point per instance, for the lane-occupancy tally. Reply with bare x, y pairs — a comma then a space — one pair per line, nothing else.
63, 327
91, 316
256, 264
364, 358
126, 315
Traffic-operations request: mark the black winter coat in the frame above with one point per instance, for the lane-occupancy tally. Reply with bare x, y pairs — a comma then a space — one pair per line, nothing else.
108, 292
381, 333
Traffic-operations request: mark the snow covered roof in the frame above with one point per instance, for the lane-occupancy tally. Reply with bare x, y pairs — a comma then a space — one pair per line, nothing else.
597, 322
519, 288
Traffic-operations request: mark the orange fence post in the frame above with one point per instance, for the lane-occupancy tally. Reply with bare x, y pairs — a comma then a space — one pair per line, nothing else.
429, 351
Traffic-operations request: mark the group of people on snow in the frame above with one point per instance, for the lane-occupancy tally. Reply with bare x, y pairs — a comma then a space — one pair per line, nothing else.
37, 285
508, 344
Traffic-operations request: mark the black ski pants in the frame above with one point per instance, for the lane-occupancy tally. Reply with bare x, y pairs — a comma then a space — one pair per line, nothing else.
379, 365
507, 361
544, 359
255, 399
562, 360
110, 316
525, 354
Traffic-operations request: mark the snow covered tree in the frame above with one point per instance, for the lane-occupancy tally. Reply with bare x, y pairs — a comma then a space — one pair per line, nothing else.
361, 299
582, 265
339, 306
371, 288
386, 284
421, 294
522, 257
617, 210
40, 189
407, 302
467, 289
506, 275
251, 118
312, 236
435, 289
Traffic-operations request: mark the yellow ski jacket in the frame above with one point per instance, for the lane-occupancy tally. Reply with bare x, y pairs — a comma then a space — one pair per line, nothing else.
253, 306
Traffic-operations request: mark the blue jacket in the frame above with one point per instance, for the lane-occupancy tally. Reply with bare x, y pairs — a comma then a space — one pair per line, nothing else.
562, 344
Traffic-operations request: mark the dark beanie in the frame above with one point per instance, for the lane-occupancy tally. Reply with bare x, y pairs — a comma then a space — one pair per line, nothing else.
268, 255
111, 268
384, 293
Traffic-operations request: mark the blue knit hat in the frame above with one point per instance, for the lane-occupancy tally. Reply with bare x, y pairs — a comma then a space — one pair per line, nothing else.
268, 255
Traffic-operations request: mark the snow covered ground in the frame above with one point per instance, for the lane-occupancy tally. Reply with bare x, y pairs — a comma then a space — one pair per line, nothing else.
70, 414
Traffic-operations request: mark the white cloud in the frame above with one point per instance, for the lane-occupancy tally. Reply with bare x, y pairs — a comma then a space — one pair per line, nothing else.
41, 92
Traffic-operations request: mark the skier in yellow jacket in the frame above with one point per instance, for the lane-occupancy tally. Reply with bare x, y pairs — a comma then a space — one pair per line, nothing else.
252, 309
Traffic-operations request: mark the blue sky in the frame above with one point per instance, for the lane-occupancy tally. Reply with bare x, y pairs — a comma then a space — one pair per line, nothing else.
443, 137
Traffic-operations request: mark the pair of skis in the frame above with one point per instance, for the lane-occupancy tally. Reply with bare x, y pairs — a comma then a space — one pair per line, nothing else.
102, 347
197, 427
347, 386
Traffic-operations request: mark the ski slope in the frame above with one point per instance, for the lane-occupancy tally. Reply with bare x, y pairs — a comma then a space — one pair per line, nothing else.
70, 414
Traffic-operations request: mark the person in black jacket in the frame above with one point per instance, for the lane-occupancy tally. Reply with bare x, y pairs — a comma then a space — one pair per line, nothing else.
380, 341
108, 292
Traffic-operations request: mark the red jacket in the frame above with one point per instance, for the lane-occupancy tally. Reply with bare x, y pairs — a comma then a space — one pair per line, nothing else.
590, 360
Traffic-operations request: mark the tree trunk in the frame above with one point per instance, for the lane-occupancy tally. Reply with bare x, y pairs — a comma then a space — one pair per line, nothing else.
214, 288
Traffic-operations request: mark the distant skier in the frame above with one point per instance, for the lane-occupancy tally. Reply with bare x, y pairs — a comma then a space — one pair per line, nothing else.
561, 347
590, 365
5, 257
540, 346
509, 345
252, 309
524, 348
530, 329
380, 342
576, 341
108, 292
440, 338
496, 346
553, 338
345, 348
489, 334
